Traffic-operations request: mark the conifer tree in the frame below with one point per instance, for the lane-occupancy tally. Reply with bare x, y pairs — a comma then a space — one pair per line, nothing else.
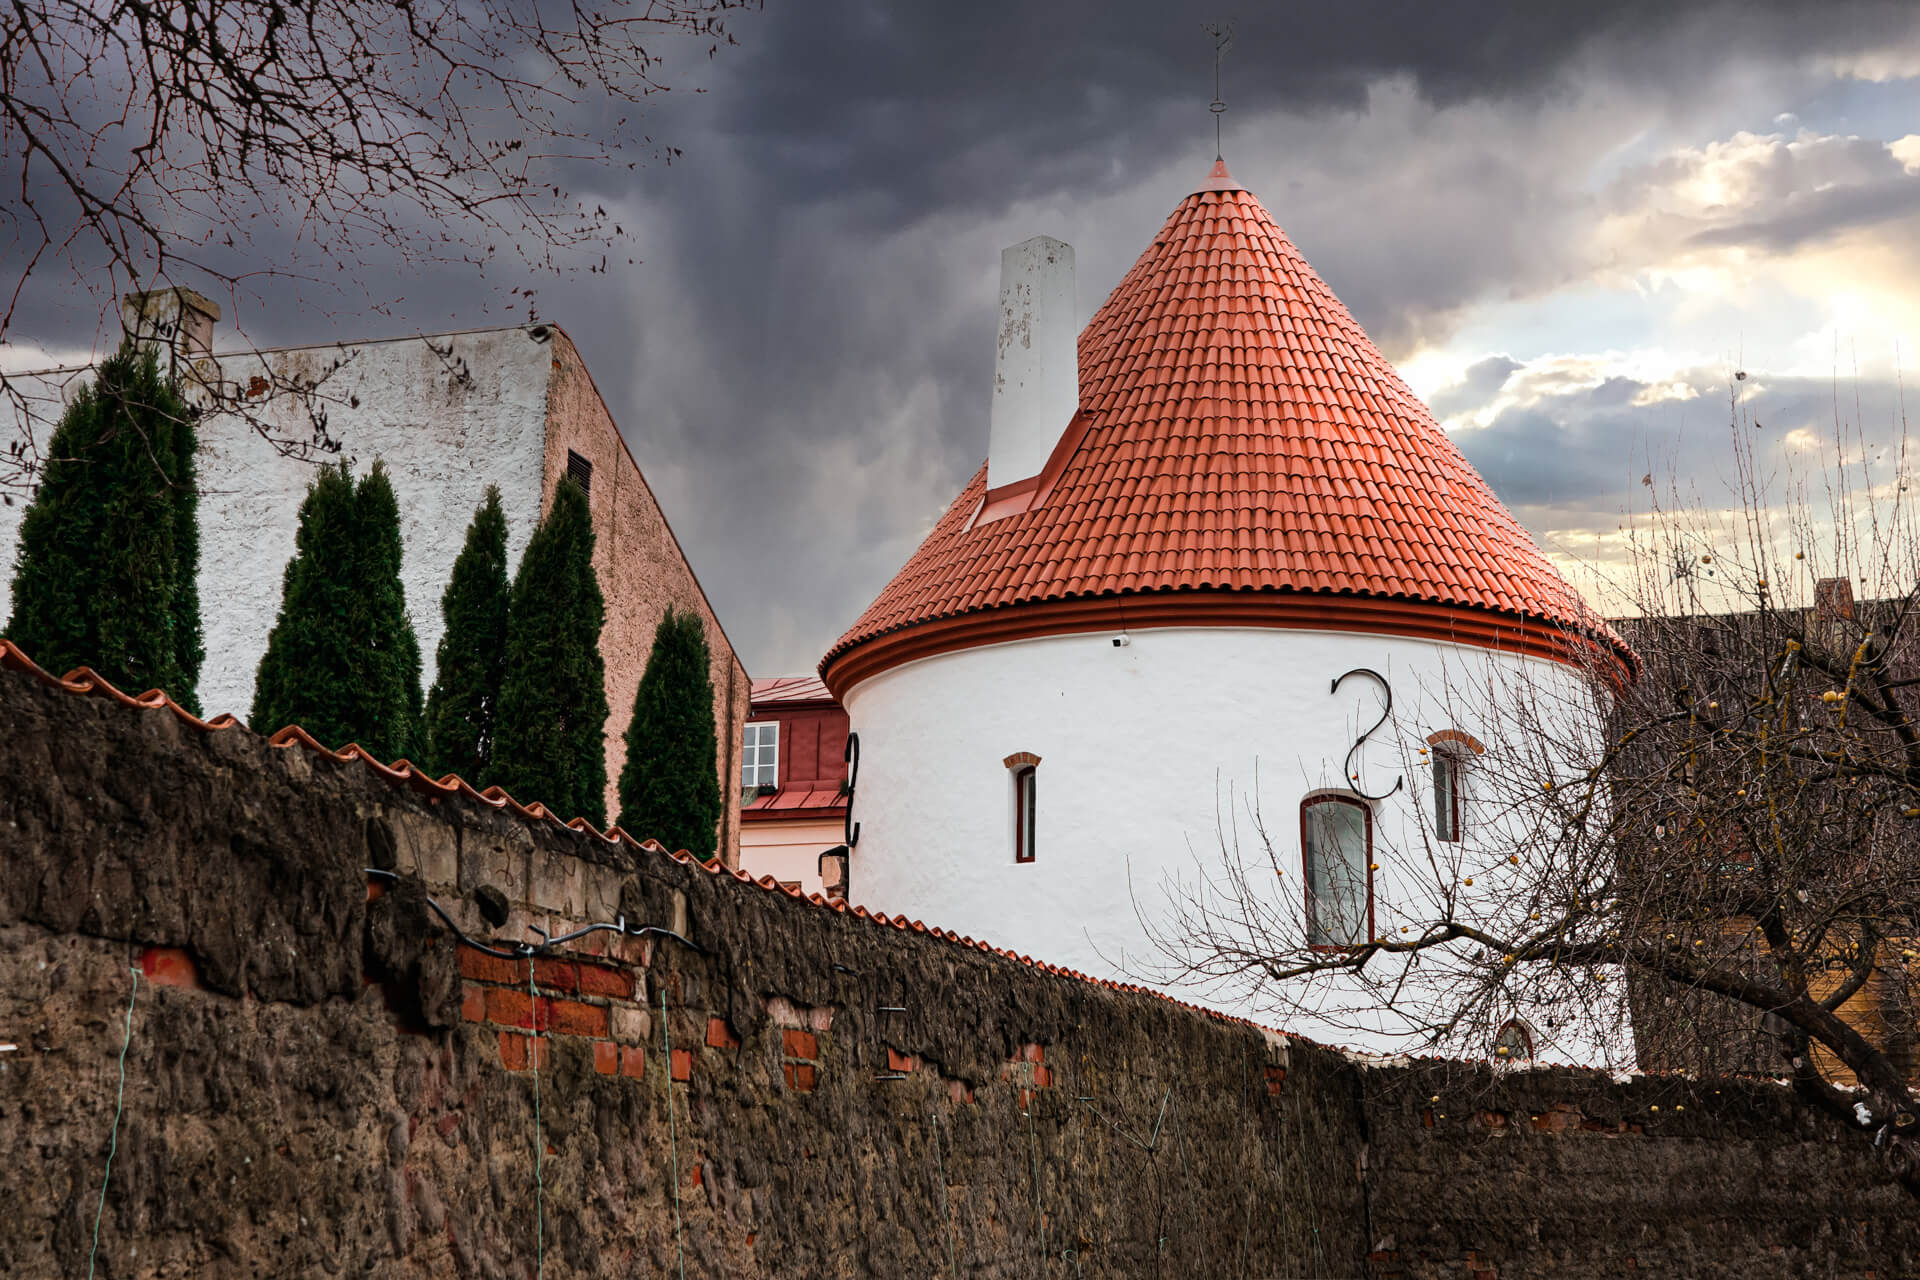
549, 737
106, 571
669, 789
471, 659
342, 661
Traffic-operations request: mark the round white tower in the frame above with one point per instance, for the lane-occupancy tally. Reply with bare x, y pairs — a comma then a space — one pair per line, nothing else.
1183, 617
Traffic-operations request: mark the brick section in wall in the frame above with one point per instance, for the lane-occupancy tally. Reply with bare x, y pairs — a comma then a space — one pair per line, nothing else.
799, 1059
1029, 1071
571, 997
169, 967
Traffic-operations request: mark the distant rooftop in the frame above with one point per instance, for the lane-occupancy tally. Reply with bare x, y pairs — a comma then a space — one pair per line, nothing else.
786, 689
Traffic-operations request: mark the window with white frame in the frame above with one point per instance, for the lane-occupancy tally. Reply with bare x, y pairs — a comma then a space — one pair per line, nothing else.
1336, 846
760, 755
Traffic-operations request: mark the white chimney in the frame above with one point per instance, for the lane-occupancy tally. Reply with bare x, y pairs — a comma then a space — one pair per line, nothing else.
178, 324
177, 320
1036, 372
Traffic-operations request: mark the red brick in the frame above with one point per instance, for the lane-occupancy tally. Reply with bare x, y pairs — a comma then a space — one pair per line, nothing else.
473, 1004
800, 1076
682, 1064
482, 967
1033, 1053
599, 980
1042, 1077
799, 1044
169, 967
633, 1061
720, 1035
606, 1057
898, 1061
572, 1018
376, 889
556, 975
958, 1091
512, 1008
514, 1053
1276, 1079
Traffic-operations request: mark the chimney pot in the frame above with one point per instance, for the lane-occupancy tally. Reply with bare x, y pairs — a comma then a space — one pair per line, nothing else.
1832, 599
1036, 371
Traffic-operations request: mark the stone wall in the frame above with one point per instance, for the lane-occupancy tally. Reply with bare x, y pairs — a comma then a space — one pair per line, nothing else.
321, 1080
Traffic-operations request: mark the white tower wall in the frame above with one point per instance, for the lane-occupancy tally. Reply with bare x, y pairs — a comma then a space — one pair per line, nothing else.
1149, 755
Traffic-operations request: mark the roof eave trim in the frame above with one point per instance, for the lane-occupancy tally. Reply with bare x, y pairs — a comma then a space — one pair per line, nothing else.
1276, 610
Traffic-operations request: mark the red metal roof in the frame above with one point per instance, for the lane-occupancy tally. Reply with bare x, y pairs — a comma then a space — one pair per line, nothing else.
797, 802
1237, 432
775, 690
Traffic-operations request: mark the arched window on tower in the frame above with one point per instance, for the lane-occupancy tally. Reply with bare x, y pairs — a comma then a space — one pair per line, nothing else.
1336, 847
1023, 772
1513, 1042
1451, 753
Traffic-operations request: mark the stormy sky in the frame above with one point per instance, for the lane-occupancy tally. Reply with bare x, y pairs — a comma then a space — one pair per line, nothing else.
1567, 225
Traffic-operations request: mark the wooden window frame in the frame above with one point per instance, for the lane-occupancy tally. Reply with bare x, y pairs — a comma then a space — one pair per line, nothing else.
1306, 868
1026, 802
1445, 757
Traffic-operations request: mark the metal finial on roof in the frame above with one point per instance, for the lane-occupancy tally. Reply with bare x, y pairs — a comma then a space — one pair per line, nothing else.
1222, 33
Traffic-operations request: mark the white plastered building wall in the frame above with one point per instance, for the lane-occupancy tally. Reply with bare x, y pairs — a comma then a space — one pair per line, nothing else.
448, 414
1150, 754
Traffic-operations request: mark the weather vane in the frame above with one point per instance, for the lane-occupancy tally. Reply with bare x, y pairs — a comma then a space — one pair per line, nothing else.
1222, 33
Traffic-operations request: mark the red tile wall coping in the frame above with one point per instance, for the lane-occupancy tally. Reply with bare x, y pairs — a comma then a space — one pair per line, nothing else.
1237, 432
85, 682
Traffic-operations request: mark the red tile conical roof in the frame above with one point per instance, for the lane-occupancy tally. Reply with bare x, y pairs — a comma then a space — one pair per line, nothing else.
1243, 453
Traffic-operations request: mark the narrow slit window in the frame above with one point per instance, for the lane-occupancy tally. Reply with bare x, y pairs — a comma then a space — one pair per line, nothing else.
1336, 842
580, 471
1025, 794
760, 755
1449, 784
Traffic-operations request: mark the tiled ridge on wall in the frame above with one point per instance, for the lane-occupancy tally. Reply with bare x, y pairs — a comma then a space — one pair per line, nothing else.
85, 682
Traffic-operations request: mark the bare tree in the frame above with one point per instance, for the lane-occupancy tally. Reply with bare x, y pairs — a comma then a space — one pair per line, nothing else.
155, 144
1703, 856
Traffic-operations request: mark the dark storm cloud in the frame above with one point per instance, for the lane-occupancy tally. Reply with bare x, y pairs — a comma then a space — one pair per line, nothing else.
957, 105
812, 330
